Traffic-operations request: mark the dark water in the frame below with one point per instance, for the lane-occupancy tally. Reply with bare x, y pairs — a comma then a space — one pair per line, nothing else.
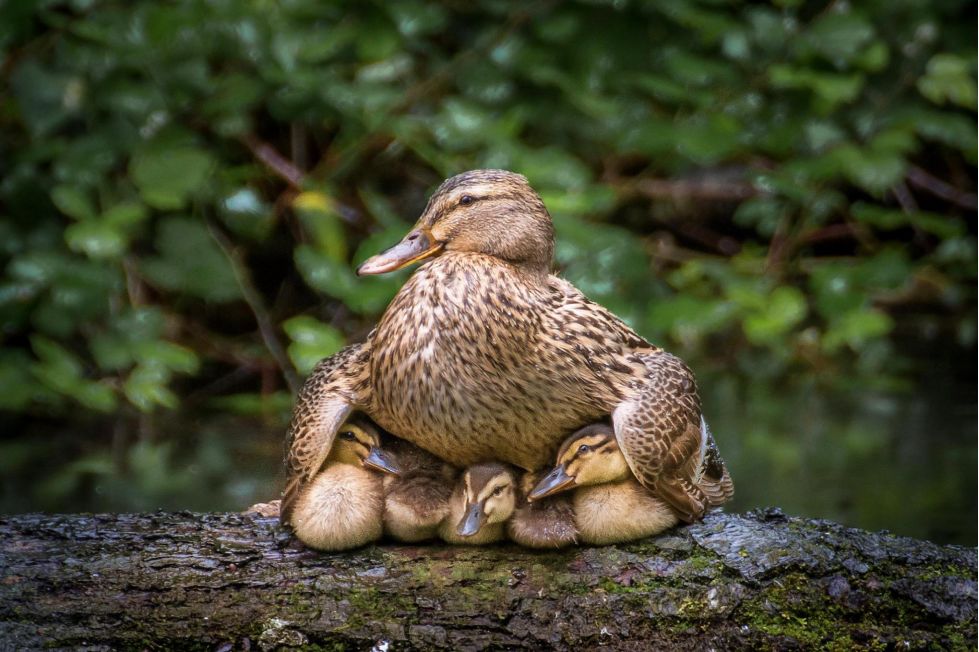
904, 461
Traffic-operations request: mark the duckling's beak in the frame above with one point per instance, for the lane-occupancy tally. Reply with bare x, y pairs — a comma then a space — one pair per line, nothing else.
381, 461
417, 245
554, 482
473, 521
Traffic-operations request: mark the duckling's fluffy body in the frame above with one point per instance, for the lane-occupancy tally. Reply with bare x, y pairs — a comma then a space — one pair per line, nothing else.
342, 508
416, 501
547, 523
619, 511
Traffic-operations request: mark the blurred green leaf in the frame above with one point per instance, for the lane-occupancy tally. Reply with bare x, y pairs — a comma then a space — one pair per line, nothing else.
189, 261
73, 202
146, 387
62, 371
839, 36
784, 308
855, 328
949, 78
167, 176
245, 213
46, 97
316, 210
312, 340
367, 295
831, 90
17, 385
95, 239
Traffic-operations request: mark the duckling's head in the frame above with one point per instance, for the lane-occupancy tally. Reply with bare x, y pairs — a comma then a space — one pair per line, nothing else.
587, 457
492, 212
359, 443
489, 496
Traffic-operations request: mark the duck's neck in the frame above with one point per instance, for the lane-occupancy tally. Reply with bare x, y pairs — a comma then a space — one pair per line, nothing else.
529, 272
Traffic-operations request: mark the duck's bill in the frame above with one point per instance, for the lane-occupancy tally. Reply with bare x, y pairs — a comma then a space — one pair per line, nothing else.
472, 522
381, 461
554, 482
417, 245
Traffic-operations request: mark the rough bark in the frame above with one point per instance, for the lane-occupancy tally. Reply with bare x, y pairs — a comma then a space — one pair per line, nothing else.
227, 581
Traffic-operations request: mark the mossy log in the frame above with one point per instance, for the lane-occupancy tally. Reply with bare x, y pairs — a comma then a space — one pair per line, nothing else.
230, 581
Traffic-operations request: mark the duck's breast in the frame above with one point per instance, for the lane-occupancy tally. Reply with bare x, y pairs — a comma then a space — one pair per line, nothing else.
458, 367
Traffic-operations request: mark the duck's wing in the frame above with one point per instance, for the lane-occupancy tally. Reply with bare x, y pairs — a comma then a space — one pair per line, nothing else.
337, 386
654, 402
714, 479
576, 317
658, 429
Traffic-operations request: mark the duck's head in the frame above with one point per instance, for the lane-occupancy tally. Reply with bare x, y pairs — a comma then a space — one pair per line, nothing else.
489, 496
359, 443
491, 212
589, 456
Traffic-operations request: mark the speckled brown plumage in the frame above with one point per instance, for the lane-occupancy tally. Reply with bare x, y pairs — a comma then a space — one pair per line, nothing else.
484, 355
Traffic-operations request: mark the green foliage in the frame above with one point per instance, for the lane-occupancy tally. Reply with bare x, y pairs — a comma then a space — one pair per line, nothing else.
768, 188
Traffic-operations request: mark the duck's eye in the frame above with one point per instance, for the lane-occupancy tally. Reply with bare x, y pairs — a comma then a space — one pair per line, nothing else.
348, 435
498, 491
584, 448
466, 200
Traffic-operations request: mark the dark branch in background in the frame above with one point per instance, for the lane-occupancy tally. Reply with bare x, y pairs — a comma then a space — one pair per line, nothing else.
254, 300
922, 179
274, 161
904, 197
286, 170
701, 189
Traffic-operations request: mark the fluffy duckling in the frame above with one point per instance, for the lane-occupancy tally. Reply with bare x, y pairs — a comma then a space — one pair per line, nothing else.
484, 508
416, 501
484, 498
610, 506
343, 506
545, 523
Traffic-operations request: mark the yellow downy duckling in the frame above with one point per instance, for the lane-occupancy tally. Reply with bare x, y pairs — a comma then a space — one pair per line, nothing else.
416, 501
484, 498
343, 506
610, 506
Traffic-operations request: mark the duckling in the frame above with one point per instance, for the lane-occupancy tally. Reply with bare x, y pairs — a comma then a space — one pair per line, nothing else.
484, 498
500, 358
610, 506
548, 522
416, 501
343, 506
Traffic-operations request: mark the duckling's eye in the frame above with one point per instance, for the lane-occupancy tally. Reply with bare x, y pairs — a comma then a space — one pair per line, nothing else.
348, 435
498, 491
584, 448
466, 200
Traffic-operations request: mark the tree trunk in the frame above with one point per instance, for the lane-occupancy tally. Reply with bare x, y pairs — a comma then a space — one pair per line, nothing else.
229, 581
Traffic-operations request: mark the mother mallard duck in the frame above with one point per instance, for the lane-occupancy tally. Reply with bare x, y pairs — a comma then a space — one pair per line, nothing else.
485, 355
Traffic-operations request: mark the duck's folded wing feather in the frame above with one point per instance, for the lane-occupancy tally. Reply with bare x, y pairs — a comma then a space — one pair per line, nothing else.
658, 429
332, 392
